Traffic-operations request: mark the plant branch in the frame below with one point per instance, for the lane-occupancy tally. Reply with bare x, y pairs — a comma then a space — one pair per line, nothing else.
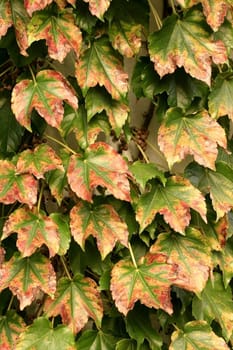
65, 268
143, 153
155, 14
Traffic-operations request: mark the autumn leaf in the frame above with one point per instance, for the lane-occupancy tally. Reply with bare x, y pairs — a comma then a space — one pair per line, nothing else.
41, 335
197, 335
215, 303
15, 187
46, 94
34, 229
196, 134
38, 161
98, 7
220, 103
100, 221
100, 166
148, 283
186, 43
13, 13
191, 253
100, 64
26, 277
173, 201
75, 301
11, 326
60, 33
98, 100
35, 5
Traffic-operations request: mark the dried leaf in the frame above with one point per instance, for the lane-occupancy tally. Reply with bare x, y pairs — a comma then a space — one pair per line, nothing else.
186, 43
61, 33
196, 134
75, 301
101, 65
11, 325
100, 166
26, 277
34, 229
173, 201
98, 7
100, 221
36, 5
46, 95
15, 187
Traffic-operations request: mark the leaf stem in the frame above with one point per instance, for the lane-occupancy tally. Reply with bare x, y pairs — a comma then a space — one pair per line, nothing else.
65, 268
10, 303
156, 15
143, 153
5, 71
32, 74
173, 7
40, 197
132, 256
60, 143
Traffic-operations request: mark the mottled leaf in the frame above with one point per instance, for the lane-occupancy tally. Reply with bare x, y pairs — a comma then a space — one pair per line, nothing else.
42, 336
148, 283
11, 325
96, 340
173, 201
191, 253
100, 64
34, 229
100, 221
46, 94
38, 161
13, 12
62, 222
98, 7
197, 134
220, 102
60, 33
36, 5
100, 166
75, 301
98, 100
197, 335
26, 277
143, 172
15, 187
215, 303
186, 43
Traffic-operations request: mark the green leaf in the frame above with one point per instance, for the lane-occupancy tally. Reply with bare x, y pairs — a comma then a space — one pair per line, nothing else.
11, 326
57, 182
61, 33
197, 335
196, 134
215, 303
100, 64
75, 301
173, 201
96, 340
186, 43
42, 336
139, 327
100, 221
62, 222
143, 172
100, 166
126, 344
191, 253
25, 277
225, 261
46, 94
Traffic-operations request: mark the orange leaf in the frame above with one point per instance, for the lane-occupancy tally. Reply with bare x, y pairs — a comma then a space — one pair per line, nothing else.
36, 5
98, 7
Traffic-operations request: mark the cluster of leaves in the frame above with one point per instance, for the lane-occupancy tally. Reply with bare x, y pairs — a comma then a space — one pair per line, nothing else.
100, 249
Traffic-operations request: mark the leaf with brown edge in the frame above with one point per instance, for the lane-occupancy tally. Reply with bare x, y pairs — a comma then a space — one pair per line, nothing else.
197, 134
173, 201
101, 166
100, 64
98, 7
191, 253
33, 230
16, 187
46, 94
149, 283
186, 43
38, 161
11, 326
13, 13
26, 277
75, 301
36, 5
98, 100
100, 221
60, 33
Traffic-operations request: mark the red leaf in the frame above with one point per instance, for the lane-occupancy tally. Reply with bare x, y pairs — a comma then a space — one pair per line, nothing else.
36, 5
98, 7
